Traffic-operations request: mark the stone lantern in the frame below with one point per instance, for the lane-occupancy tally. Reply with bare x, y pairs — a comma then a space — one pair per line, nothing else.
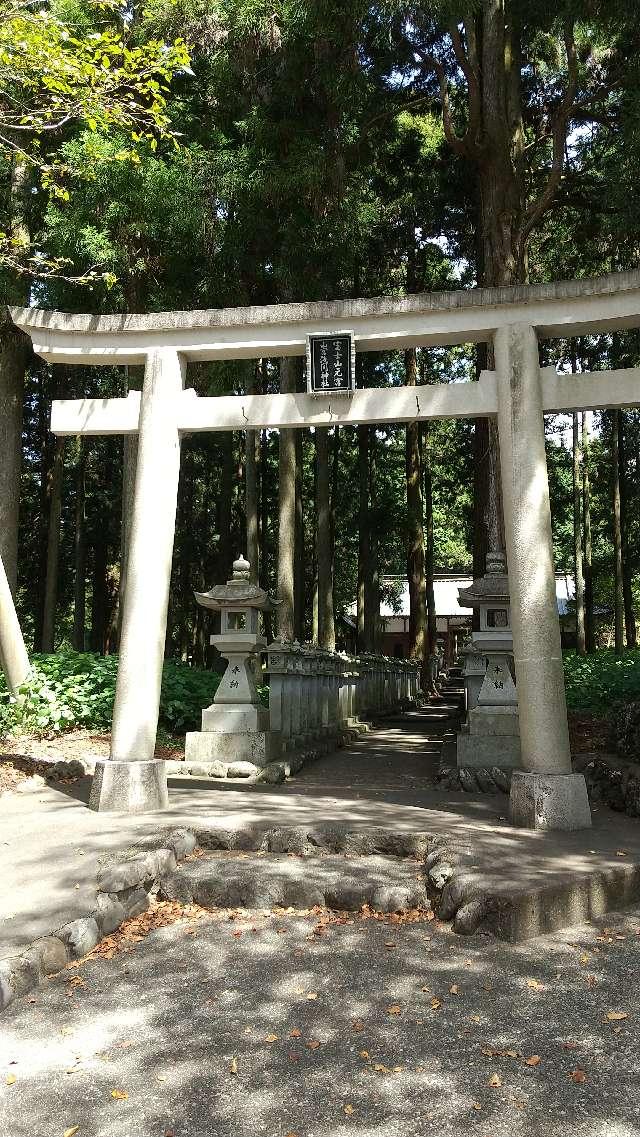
235, 728
491, 737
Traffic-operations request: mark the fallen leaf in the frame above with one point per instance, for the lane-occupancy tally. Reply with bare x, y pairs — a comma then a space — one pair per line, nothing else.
119, 1095
617, 1016
313, 1044
394, 1010
358, 1026
476, 1105
577, 1075
349, 1109
272, 1038
535, 984
454, 989
295, 1033
364, 1053
494, 1081
534, 1060
71, 1132
10, 1079
435, 1003
312, 995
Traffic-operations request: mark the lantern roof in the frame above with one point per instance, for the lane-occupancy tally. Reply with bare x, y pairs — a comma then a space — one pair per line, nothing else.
238, 592
493, 586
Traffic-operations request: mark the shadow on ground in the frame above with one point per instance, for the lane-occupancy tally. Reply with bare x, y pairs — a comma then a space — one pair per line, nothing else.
367, 1028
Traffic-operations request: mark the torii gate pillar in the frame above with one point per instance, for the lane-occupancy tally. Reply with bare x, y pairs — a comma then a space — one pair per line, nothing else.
132, 780
546, 795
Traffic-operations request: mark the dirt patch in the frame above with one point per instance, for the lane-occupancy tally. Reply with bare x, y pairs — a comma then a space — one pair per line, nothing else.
590, 733
13, 773
78, 744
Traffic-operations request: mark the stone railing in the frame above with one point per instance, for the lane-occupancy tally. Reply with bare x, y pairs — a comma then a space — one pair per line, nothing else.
317, 697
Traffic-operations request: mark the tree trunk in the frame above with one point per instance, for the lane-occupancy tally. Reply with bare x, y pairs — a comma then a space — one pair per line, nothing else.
226, 552
53, 548
14, 352
614, 417
363, 529
80, 551
372, 573
287, 512
299, 564
326, 624
265, 541
577, 540
432, 632
627, 591
99, 596
415, 528
252, 489
13, 355
133, 382
589, 615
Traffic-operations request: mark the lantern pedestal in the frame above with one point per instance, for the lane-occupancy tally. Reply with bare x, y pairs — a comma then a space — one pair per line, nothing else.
491, 735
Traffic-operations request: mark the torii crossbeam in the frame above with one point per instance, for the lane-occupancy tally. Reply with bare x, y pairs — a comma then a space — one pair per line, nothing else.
517, 394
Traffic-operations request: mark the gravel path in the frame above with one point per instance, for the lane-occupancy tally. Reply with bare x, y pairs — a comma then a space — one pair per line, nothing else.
283, 1025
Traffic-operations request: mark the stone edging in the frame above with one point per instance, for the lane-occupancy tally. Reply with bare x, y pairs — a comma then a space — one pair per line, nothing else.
609, 780
50, 769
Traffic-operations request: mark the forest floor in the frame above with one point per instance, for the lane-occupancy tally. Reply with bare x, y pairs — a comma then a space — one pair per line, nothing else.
296, 1026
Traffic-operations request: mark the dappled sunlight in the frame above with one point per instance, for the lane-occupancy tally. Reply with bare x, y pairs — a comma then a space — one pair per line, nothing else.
276, 1030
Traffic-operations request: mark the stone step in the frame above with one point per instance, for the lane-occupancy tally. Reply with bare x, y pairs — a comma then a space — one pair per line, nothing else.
245, 880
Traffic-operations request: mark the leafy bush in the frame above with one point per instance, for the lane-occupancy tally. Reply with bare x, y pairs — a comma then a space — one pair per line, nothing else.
598, 682
76, 689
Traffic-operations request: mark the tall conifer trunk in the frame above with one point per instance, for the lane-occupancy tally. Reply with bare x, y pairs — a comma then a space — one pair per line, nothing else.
371, 570
429, 544
287, 512
363, 529
577, 540
486, 52
627, 592
326, 625
252, 487
618, 597
415, 527
589, 615
53, 548
80, 550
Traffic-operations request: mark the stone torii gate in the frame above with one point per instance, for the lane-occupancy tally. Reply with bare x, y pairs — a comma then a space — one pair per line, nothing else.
517, 394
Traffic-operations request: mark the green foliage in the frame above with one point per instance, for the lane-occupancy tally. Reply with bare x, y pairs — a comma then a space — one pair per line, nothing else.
76, 689
63, 68
597, 682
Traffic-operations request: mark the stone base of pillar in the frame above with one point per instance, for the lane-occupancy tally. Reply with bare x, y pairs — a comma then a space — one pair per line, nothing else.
129, 787
257, 746
549, 801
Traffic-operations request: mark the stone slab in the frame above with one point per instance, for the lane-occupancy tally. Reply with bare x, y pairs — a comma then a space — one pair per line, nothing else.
386, 884
129, 787
490, 721
226, 719
488, 750
546, 801
258, 747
